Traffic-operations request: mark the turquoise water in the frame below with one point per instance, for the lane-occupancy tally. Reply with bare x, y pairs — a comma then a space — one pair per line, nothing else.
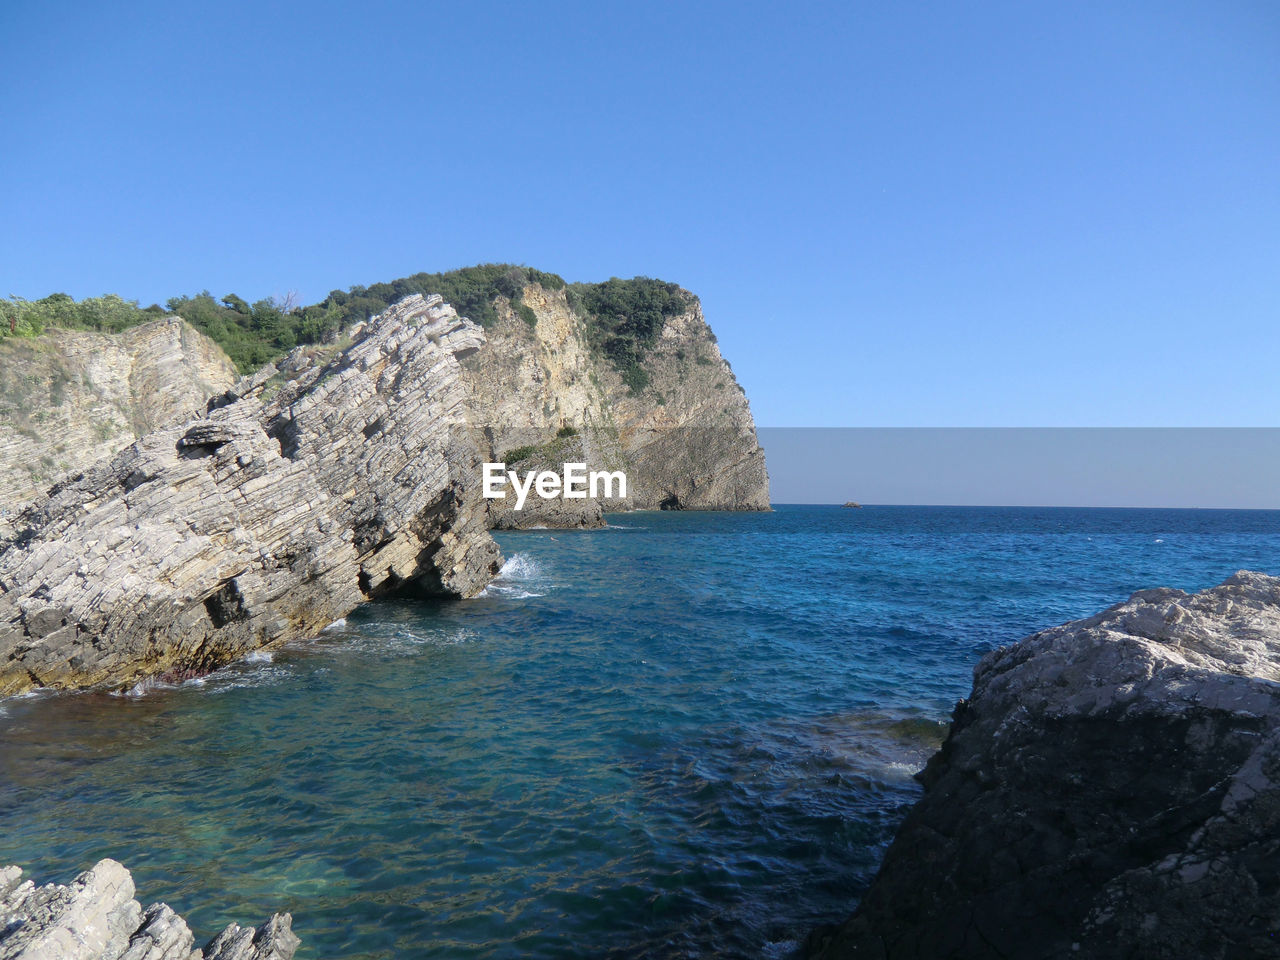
688, 735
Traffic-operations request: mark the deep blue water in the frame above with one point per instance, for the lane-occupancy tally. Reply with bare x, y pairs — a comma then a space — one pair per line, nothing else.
687, 735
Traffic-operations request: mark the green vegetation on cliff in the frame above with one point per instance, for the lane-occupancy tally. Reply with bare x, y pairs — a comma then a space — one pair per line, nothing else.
108, 314
624, 317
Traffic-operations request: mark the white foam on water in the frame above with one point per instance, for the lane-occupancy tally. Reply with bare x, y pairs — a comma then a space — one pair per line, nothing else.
399, 640
513, 581
26, 695
510, 593
259, 656
143, 687
903, 771
339, 624
520, 566
227, 680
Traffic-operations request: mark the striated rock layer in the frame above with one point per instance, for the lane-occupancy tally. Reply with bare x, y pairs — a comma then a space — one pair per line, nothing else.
70, 397
290, 503
686, 441
95, 917
1111, 788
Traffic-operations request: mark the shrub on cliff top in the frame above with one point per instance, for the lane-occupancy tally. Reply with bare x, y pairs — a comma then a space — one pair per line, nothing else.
107, 314
472, 291
624, 317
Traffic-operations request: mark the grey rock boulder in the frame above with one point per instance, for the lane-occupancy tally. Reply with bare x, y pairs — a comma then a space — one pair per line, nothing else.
1111, 788
274, 940
95, 917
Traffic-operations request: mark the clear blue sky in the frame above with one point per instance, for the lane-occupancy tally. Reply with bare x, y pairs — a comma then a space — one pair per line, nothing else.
974, 214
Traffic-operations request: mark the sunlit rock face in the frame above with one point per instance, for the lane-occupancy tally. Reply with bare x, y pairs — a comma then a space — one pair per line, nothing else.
294, 499
1111, 788
95, 917
68, 398
543, 394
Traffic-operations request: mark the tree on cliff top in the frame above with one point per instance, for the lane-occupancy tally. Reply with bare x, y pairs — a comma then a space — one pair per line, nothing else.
624, 317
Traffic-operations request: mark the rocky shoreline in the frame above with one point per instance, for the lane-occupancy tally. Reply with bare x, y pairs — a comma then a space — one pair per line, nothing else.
1111, 788
344, 474
95, 917
288, 505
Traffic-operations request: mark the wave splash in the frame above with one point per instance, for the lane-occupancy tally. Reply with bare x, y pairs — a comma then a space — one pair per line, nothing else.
519, 579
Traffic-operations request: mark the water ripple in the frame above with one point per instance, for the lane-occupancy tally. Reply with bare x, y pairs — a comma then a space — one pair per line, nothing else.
699, 748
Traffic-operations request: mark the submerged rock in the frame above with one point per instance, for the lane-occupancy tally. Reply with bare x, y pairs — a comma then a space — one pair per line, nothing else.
1111, 788
95, 917
279, 512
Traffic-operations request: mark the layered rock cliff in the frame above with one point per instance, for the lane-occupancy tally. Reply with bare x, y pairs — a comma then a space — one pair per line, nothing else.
665, 408
69, 398
95, 917
1111, 788
295, 499
685, 439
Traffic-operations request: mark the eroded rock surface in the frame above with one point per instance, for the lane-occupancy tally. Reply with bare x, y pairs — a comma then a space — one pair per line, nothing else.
95, 917
686, 441
1111, 788
68, 398
285, 507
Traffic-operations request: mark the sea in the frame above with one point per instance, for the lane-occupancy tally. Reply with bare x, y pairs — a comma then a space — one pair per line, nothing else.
685, 735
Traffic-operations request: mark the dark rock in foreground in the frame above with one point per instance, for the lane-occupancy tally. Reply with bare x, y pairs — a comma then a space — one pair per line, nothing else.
1110, 789
291, 503
95, 917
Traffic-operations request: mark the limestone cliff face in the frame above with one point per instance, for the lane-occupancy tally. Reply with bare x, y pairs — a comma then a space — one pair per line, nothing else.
69, 398
290, 503
686, 441
1111, 788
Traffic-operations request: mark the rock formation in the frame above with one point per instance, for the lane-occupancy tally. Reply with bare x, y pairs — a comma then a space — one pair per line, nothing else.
295, 499
69, 398
557, 512
95, 917
686, 441
685, 438
1111, 788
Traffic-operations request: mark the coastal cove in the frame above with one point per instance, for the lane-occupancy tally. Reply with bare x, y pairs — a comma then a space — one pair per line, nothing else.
684, 734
